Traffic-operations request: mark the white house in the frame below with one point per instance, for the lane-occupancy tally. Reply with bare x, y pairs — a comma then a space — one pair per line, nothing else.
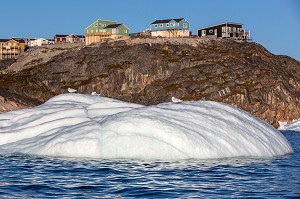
38, 42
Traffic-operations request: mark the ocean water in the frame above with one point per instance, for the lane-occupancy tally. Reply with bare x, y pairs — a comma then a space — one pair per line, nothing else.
26, 176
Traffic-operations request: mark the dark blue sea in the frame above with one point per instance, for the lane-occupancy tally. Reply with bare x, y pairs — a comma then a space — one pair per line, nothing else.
26, 176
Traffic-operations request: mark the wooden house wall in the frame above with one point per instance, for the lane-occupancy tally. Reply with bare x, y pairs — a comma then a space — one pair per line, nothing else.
168, 25
210, 31
11, 49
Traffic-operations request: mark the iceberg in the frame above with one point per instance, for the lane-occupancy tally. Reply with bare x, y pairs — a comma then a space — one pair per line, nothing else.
294, 126
90, 126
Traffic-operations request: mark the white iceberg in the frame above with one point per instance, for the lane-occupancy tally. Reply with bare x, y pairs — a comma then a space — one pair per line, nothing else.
77, 125
294, 126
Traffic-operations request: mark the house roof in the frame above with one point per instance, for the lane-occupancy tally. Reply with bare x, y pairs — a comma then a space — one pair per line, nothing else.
221, 24
61, 35
10, 40
116, 26
167, 20
178, 20
113, 25
39, 39
20, 40
72, 35
100, 20
162, 21
80, 36
4, 40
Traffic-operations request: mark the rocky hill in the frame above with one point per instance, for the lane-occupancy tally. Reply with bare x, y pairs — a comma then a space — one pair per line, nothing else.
152, 70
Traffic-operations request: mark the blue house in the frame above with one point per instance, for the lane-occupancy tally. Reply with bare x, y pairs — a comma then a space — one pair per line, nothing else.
170, 28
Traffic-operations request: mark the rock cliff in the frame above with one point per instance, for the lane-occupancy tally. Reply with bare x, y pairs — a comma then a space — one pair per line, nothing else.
152, 70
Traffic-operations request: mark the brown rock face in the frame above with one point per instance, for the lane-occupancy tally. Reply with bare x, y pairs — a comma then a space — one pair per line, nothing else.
11, 101
152, 70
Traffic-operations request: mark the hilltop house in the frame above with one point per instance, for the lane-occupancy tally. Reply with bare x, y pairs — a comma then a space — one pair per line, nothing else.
103, 29
38, 42
10, 48
69, 38
225, 30
170, 28
60, 38
22, 40
75, 38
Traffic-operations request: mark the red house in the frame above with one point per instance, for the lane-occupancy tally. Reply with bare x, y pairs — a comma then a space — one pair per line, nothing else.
60, 38
69, 38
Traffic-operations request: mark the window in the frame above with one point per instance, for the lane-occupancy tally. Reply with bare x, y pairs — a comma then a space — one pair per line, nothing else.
172, 24
203, 32
155, 25
125, 31
161, 25
211, 31
185, 25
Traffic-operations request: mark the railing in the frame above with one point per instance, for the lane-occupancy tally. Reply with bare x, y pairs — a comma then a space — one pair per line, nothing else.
10, 47
9, 51
15, 52
237, 34
99, 34
236, 31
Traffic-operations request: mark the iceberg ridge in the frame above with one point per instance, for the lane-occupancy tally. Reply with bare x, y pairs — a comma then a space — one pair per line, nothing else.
77, 125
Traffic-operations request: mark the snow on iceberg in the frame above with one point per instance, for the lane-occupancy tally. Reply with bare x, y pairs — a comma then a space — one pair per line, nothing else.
294, 126
77, 125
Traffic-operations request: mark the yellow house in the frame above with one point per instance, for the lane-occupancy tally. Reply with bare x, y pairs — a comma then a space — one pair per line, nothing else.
11, 48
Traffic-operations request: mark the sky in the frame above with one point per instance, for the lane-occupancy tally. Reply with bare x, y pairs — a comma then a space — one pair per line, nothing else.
273, 23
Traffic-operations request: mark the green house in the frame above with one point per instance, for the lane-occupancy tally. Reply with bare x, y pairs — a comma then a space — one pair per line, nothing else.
98, 26
117, 29
104, 29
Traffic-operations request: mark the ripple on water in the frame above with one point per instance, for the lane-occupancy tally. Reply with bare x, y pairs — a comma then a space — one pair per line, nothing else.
25, 176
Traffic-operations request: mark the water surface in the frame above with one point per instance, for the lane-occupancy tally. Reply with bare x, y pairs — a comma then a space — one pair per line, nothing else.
26, 176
